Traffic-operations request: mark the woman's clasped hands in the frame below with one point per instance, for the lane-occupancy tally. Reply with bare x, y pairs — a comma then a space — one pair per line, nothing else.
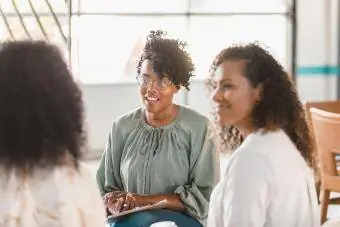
117, 202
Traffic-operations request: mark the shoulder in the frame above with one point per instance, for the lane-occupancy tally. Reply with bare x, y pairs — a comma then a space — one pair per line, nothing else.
84, 186
259, 152
128, 121
81, 181
191, 115
75, 176
132, 115
251, 159
267, 143
248, 158
195, 121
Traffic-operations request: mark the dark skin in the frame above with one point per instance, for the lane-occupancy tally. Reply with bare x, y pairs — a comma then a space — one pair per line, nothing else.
160, 111
115, 201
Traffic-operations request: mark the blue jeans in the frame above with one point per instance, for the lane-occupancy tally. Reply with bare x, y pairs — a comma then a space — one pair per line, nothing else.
146, 218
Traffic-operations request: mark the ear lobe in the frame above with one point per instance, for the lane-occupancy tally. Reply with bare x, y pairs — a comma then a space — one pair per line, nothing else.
259, 91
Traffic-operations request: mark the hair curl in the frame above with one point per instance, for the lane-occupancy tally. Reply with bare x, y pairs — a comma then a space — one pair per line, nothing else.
169, 58
41, 112
279, 107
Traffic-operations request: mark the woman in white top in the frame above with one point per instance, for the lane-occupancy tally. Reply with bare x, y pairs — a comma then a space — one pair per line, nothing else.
41, 137
269, 179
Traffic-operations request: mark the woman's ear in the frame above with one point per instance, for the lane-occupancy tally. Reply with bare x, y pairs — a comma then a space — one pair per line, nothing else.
259, 92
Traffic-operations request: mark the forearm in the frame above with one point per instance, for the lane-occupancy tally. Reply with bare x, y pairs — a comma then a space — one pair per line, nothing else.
173, 201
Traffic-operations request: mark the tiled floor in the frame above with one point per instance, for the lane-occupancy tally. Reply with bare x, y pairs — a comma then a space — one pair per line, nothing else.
333, 211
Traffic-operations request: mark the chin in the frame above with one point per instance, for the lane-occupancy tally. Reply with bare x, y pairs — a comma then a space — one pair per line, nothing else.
152, 109
224, 122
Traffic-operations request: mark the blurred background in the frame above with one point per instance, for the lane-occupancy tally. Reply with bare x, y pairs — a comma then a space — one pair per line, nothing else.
102, 40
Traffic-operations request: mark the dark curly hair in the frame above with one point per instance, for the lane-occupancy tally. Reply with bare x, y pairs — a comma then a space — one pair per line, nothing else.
169, 58
279, 107
41, 108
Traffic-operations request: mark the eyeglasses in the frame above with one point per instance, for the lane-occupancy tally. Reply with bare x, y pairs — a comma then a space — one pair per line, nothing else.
161, 83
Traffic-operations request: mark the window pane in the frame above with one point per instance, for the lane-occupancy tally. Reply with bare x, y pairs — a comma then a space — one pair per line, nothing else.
48, 24
40, 6
109, 46
133, 6
209, 35
243, 6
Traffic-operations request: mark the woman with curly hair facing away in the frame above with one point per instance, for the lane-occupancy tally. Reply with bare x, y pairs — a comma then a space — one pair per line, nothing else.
269, 179
161, 151
41, 138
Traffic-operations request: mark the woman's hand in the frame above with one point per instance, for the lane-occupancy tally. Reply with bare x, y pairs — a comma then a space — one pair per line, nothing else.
114, 201
130, 202
117, 202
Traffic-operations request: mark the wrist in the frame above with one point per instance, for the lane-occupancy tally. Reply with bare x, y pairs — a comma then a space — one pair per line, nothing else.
142, 200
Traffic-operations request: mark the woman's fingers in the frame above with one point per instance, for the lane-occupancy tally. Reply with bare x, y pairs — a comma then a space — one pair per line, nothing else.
113, 195
127, 202
130, 202
120, 201
119, 205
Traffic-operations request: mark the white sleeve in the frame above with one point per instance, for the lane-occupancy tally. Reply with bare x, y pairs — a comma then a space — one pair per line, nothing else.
96, 217
246, 191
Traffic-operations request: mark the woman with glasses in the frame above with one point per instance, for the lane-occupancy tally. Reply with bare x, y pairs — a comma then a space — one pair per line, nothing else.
161, 151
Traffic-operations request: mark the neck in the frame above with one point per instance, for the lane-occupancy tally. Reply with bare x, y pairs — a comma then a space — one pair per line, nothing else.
162, 118
246, 128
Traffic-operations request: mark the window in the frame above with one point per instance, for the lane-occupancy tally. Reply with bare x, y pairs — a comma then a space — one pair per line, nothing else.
109, 52
39, 6
107, 36
209, 35
134, 6
239, 6
35, 19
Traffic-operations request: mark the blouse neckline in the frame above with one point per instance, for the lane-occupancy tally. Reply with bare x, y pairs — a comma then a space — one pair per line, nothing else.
171, 124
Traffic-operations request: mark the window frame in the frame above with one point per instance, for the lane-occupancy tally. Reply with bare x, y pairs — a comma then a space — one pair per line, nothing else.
74, 11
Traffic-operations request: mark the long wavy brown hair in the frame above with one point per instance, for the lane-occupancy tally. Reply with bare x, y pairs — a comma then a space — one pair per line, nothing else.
280, 107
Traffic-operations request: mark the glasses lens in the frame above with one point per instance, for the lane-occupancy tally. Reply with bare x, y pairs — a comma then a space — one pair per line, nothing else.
140, 80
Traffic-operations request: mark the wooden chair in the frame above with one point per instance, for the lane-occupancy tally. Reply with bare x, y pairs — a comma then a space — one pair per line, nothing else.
326, 126
329, 106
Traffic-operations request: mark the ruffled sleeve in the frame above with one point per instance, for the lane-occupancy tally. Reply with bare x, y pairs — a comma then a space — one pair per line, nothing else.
203, 175
108, 174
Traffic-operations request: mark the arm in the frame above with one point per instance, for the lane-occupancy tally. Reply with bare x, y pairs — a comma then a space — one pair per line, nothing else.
108, 173
204, 173
246, 190
173, 201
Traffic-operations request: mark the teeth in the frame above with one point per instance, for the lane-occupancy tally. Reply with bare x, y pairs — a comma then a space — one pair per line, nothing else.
151, 99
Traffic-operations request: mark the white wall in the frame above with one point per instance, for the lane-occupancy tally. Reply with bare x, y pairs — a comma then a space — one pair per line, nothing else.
317, 47
317, 37
104, 103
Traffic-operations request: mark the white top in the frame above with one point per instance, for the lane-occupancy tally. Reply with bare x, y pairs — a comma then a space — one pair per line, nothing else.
332, 223
59, 197
267, 183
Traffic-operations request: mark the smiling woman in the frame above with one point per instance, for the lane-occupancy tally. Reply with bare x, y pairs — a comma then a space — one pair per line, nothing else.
256, 99
162, 150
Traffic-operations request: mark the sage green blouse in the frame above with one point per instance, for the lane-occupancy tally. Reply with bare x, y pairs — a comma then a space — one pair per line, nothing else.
178, 158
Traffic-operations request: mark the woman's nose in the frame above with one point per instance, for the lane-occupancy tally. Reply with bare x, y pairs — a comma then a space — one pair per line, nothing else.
217, 95
154, 85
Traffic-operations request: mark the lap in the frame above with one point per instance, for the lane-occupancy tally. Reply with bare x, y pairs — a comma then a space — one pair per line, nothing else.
146, 218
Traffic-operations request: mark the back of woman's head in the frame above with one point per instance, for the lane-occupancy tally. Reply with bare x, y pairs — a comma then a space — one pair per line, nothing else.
41, 109
279, 107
